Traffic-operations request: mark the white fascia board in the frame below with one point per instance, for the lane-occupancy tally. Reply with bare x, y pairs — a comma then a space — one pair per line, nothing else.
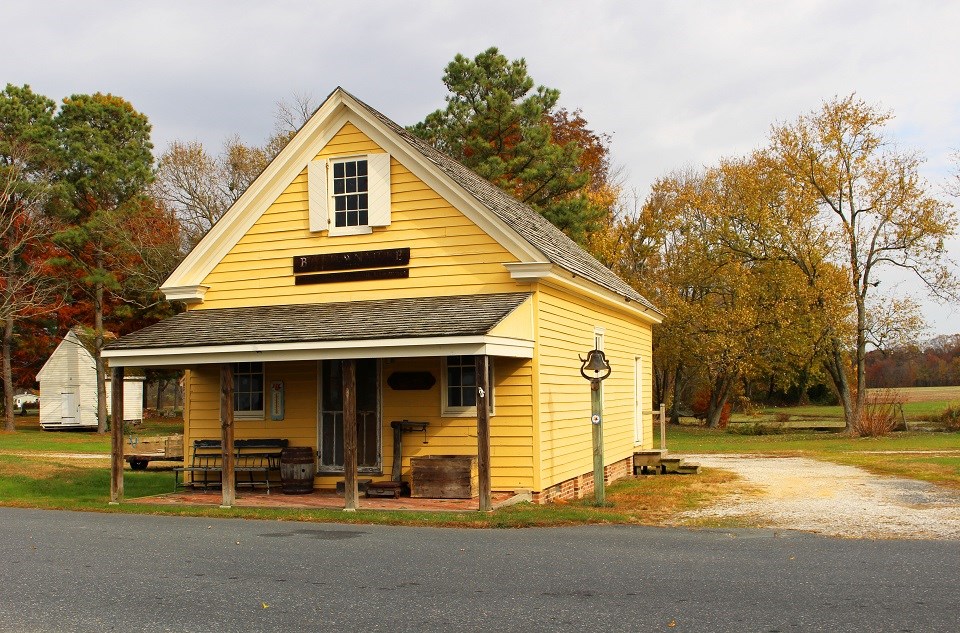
322, 350
338, 110
529, 271
562, 278
188, 294
263, 192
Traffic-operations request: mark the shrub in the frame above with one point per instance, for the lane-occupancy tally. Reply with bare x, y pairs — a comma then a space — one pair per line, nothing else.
757, 428
949, 419
701, 404
881, 414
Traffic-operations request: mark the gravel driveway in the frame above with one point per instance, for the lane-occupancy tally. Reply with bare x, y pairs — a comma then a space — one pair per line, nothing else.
798, 493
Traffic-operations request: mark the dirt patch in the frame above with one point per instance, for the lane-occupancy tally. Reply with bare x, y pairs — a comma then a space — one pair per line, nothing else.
799, 493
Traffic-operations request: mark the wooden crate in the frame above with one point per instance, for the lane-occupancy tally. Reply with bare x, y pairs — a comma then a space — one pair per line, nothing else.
444, 477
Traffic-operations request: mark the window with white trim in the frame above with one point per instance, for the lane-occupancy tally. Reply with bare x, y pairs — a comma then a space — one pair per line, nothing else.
349, 195
248, 391
459, 388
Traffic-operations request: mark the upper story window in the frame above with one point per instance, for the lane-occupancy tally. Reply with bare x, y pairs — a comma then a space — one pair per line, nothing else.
350, 201
349, 195
248, 390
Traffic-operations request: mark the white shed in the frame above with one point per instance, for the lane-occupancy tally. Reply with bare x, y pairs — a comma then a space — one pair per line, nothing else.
68, 388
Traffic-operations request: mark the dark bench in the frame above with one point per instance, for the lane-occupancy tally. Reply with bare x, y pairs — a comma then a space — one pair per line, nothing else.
253, 462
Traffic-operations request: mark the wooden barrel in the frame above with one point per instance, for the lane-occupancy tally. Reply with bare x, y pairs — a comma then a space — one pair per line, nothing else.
298, 467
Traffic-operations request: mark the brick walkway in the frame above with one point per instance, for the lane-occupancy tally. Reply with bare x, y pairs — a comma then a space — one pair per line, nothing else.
317, 499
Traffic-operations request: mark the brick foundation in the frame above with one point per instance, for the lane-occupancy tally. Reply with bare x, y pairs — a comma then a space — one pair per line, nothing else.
582, 485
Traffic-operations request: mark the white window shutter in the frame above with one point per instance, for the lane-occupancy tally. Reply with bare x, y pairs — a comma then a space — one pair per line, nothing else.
378, 187
317, 195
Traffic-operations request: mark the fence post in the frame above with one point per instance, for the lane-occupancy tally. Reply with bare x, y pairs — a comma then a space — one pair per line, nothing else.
663, 427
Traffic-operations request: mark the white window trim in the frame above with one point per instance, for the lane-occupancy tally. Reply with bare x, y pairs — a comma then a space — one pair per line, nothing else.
259, 414
321, 205
465, 412
334, 230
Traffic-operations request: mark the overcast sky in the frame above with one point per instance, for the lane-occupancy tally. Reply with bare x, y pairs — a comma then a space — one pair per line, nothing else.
675, 83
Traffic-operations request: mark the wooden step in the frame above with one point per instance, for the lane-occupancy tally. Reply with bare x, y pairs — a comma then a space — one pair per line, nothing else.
689, 468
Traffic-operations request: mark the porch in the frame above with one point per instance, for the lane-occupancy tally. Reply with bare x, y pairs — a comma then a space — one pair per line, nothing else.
427, 364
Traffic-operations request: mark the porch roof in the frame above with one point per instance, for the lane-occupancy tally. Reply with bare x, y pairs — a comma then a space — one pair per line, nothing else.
418, 326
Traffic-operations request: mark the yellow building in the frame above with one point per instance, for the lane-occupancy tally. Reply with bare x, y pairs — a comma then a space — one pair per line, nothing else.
361, 246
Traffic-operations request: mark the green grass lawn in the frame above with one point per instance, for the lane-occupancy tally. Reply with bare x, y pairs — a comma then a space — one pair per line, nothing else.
30, 437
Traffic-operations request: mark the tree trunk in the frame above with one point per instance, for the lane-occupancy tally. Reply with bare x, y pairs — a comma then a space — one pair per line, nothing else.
102, 425
677, 387
718, 398
8, 375
836, 367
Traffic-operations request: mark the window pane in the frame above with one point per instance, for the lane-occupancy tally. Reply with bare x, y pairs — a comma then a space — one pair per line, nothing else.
256, 402
243, 402
352, 203
341, 203
351, 168
351, 185
469, 376
243, 382
363, 219
469, 397
338, 170
256, 382
337, 186
341, 219
363, 201
362, 183
453, 397
361, 168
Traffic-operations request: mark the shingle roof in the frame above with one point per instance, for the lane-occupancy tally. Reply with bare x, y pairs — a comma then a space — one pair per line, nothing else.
350, 320
529, 224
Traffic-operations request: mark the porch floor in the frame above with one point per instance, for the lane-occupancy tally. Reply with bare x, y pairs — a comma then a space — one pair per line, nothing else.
318, 499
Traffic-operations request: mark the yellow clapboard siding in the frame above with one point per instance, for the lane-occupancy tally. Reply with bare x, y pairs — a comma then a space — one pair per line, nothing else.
566, 323
259, 267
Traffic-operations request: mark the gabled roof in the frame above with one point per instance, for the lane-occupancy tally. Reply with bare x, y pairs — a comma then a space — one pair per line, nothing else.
520, 229
533, 227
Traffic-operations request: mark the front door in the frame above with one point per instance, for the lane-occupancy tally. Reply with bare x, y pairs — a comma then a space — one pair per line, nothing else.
331, 416
69, 408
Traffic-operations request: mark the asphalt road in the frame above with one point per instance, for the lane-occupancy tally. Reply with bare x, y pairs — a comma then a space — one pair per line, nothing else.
64, 571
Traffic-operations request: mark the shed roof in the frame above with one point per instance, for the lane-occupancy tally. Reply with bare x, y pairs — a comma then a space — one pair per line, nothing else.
467, 315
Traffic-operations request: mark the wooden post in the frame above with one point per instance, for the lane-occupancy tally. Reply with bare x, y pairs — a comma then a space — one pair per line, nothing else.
349, 435
482, 365
596, 421
663, 427
116, 436
227, 475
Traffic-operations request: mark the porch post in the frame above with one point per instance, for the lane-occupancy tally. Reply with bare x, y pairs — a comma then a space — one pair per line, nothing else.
483, 431
116, 436
349, 435
227, 476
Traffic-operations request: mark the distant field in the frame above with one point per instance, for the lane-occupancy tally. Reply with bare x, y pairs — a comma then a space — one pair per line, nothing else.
925, 394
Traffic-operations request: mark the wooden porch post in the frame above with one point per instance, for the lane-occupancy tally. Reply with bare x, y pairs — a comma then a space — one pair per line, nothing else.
116, 436
483, 431
227, 476
349, 435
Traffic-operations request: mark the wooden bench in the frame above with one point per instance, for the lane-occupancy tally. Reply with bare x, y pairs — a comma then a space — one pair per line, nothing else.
254, 461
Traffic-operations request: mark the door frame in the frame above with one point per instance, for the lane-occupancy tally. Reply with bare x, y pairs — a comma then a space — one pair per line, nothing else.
638, 400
